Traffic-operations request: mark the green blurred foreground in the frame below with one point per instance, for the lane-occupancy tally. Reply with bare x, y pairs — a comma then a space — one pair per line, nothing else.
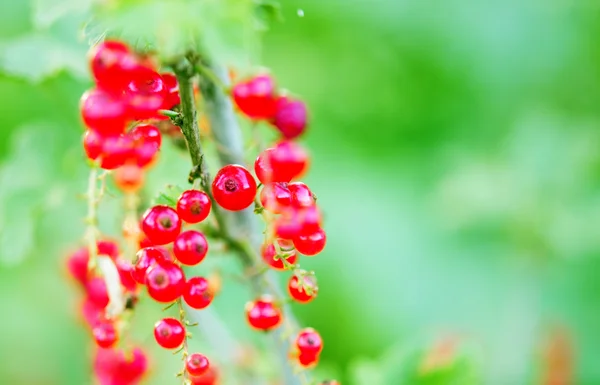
456, 155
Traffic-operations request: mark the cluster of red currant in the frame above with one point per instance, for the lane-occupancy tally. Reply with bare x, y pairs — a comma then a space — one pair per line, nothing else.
120, 114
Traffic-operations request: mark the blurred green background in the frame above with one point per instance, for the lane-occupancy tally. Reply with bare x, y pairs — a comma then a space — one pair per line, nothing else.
456, 156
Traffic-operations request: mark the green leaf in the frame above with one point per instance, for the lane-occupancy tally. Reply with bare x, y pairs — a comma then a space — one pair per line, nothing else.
35, 57
168, 196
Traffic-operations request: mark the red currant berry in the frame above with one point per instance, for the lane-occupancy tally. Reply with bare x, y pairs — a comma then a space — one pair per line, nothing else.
91, 312
196, 364
108, 248
126, 270
172, 98
77, 264
161, 224
210, 377
146, 133
288, 225
129, 178
310, 219
145, 95
263, 170
92, 144
197, 293
103, 112
234, 188
263, 314
169, 333
256, 97
290, 117
310, 243
193, 206
105, 334
288, 160
112, 64
165, 282
303, 290
97, 292
190, 247
269, 252
115, 367
275, 197
301, 195
145, 259
115, 151
309, 342
308, 360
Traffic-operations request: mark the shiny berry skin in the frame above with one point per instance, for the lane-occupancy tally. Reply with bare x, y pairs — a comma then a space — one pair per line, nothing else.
274, 197
197, 293
103, 112
190, 247
146, 133
92, 144
297, 292
145, 259
308, 360
310, 219
256, 97
165, 282
161, 224
288, 160
196, 364
234, 188
301, 195
309, 342
145, 95
172, 97
115, 151
263, 314
169, 333
310, 243
97, 292
105, 334
112, 64
193, 206
290, 117
126, 269
268, 253
264, 171
288, 225
210, 377
129, 177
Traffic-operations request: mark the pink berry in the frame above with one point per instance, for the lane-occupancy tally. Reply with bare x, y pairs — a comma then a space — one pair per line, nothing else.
115, 151
112, 65
197, 293
116, 367
105, 334
161, 224
126, 270
169, 333
172, 98
193, 206
309, 342
145, 95
290, 117
165, 282
190, 247
97, 292
301, 195
234, 188
311, 243
256, 97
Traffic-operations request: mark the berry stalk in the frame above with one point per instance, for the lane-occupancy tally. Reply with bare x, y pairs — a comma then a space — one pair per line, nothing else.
227, 135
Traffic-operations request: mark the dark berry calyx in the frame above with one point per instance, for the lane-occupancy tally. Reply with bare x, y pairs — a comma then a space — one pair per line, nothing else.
230, 185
